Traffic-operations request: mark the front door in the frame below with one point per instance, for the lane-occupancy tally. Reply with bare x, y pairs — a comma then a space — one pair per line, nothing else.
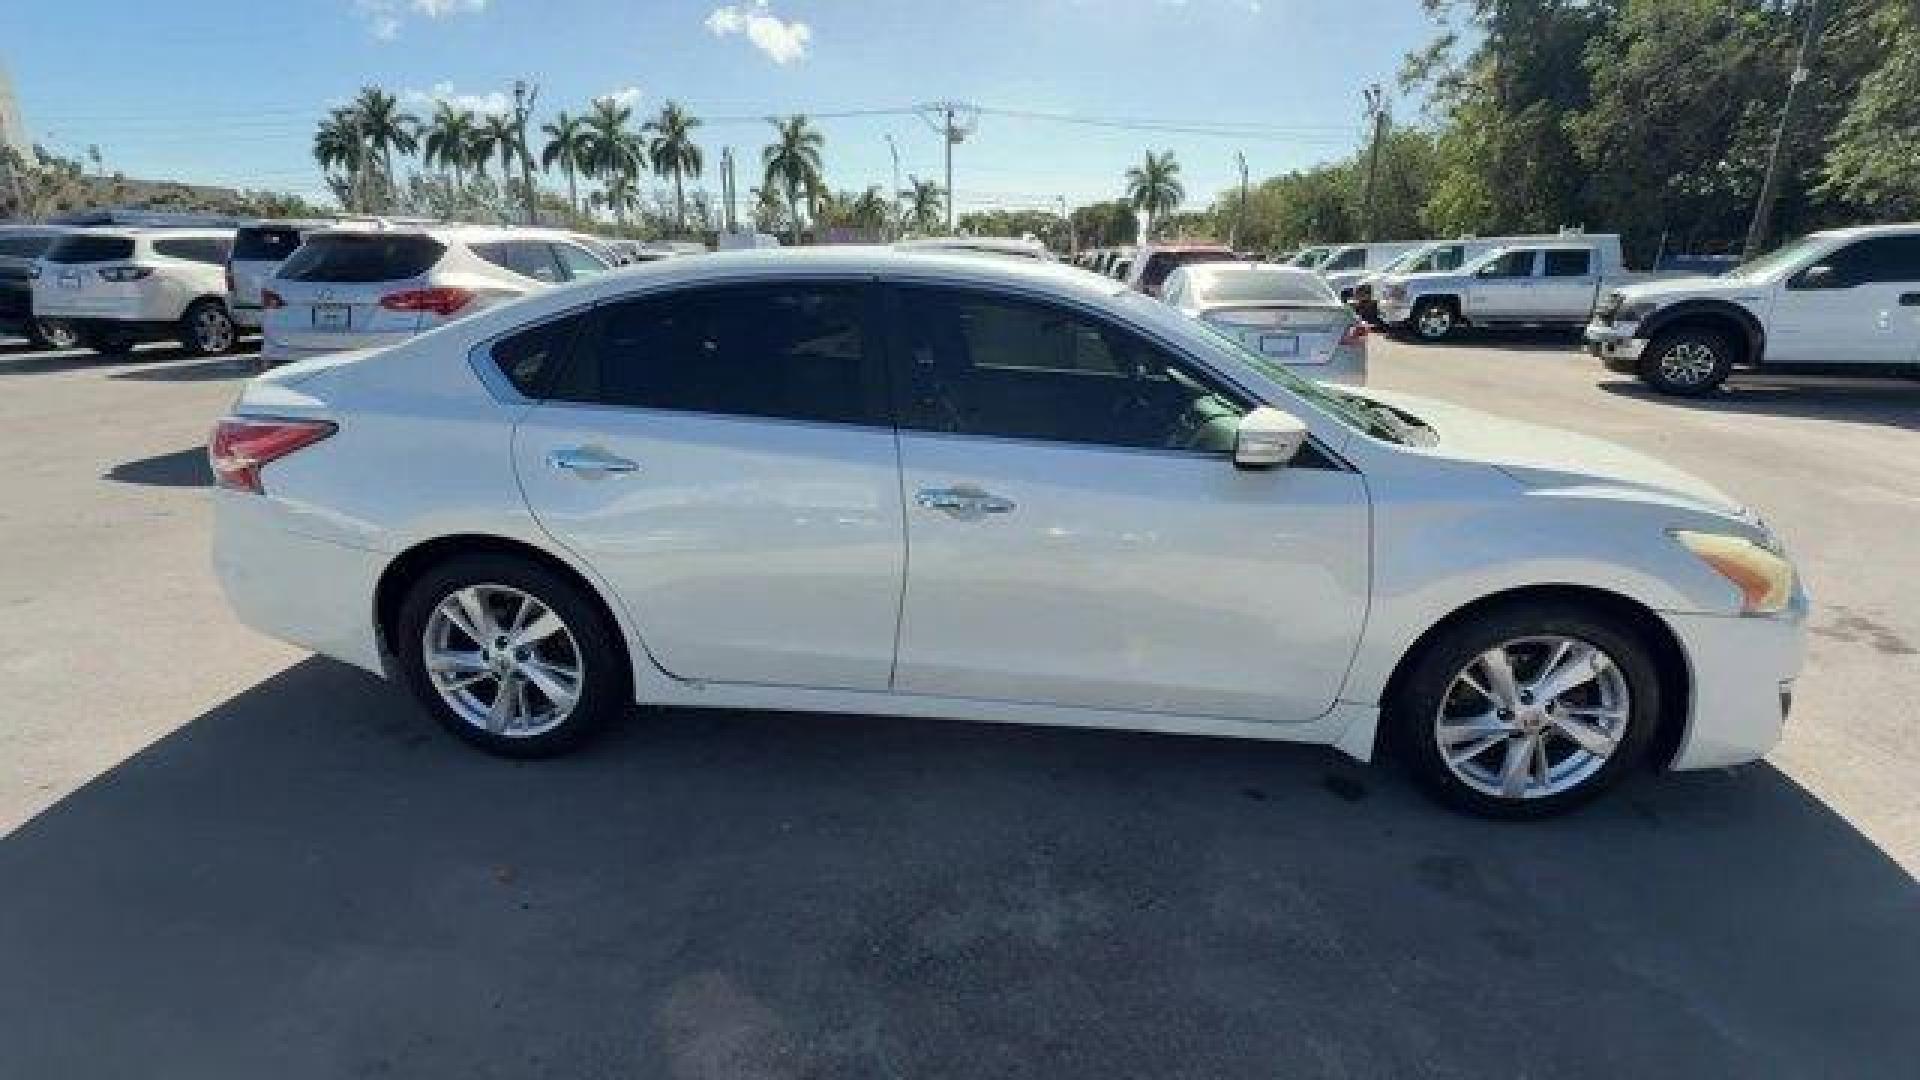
1079, 536
1859, 304
723, 457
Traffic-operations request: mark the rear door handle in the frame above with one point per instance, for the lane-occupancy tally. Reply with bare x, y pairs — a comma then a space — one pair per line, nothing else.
965, 503
1910, 299
590, 459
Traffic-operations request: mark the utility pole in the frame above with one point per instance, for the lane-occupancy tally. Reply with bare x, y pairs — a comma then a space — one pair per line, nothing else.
893, 220
950, 138
1073, 240
726, 186
1239, 219
952, 129
523, 98
1762, 224
1377, 113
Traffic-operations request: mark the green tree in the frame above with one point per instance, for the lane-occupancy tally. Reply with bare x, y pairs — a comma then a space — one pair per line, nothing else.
922, 206
1154, 188
675, 154
384, 130
1105, 224
569, 140
614, 152
1874, 157
792, 163
337, 145
449, 140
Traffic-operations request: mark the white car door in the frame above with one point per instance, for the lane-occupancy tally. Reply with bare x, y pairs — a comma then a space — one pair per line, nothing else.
1565, 289
723, 457
1859, 304
1503, 288
1078, 535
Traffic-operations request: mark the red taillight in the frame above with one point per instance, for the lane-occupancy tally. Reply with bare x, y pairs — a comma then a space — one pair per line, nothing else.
271, 299
1355, 334
438, 301
243, 445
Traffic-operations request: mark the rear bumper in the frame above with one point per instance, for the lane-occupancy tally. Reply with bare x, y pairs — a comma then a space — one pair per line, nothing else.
300, 589
1742, 670
275, 349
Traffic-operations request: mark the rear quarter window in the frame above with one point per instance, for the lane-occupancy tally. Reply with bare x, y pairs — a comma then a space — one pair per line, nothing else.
532, 357
362, 257
265, 243
201, 249
90, 249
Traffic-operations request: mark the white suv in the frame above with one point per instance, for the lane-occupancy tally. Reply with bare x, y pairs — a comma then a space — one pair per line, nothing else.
258, 250
118, 286
354, 289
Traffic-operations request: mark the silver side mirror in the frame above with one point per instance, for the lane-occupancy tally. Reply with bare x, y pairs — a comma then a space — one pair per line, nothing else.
1267, 438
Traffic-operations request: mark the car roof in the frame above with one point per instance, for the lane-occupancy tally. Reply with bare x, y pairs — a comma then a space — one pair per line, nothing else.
164, 232
1902, 228
473, 234
1012, 245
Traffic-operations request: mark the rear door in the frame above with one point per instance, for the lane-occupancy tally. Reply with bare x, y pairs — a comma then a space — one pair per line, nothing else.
1503, 289
723, 456
1565, 289
1079, 536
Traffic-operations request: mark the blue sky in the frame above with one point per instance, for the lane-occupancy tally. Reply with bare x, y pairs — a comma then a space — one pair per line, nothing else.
227, 91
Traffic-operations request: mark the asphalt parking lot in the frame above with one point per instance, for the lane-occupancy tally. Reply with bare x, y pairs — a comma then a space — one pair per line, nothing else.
225, 858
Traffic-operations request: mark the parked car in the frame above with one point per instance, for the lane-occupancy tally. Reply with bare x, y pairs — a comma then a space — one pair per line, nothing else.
259, 247
696, 484
1309, 258
1548, 283
1281, 313
1153, 262
356, 289
20, 249
1436, 256
121, 285
1347, 265
1842, 301
1011, 246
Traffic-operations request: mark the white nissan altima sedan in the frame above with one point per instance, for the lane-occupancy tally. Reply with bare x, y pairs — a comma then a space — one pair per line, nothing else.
929, 484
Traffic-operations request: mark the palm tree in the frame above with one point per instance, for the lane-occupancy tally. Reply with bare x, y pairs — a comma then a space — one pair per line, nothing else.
1153, 187
621, 196
793, 163
870, 210
384, 129
924, 204
675, 154
613, 151
337, 144
568, 141
449, 141
498, 134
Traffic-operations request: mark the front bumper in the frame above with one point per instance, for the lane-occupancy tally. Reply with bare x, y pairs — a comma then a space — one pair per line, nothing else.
1741, 669
1615, 344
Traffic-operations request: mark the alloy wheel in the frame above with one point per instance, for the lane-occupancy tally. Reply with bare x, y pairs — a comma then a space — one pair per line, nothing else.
57, 334
1688, 363
1434, 322
503, 661
1533, 717
213, 329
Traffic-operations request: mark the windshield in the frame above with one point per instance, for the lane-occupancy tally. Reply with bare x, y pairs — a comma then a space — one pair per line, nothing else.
1782, 258
1233, 286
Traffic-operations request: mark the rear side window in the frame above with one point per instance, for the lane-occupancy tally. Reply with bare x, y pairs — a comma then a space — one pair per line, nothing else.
528, 258
1266, 287
792, 351
1350, 259
1568, 263
1162, 263
26, 246
1443, 259
90, 249
578, 262
532, 358
1511, 264
200, 249
362, 257
264, 243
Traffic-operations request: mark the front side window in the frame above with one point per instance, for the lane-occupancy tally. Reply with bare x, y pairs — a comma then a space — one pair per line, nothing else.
795, 351
975, 363
1510, 264
1568, 263
1877, 260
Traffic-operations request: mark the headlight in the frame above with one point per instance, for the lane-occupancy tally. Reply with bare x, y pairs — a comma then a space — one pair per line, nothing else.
1762, 574
1394, 293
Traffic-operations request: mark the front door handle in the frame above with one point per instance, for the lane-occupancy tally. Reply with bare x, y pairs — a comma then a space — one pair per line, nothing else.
590, 459
1910, 299
965, 502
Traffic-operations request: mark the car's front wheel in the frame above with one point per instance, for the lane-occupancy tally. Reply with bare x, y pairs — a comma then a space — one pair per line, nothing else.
53, 334
1434, 320
1686, 362
1527, 709
207, 329
510, 656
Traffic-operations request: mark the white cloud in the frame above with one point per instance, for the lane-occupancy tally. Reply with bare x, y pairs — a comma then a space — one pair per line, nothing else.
385, 18
626, 96
496, 102
783, 40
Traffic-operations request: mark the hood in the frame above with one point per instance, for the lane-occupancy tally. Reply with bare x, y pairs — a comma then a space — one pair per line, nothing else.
1538, 456
1679, 288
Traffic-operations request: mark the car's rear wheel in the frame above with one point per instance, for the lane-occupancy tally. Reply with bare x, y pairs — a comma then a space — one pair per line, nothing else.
1434, 320
510, 656
1526, 710
1686, 362
207, 329
53, 334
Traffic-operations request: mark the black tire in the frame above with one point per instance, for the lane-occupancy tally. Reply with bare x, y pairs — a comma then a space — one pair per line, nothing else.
207, 329
1686, 362
53, 334
107, 342
604, 679
1429, 686
1433, 320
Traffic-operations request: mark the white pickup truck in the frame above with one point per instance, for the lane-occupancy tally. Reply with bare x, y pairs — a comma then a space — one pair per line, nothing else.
1845, 301
1551, 282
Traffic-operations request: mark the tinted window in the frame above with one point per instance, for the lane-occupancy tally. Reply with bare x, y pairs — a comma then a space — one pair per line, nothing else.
1444, 259
265, 243
200, 249
1350, 259
1882, 258
1254, 286
1568, 263
1510, 264
362, 257
982, 364
532, 358
528, 258
577, 262
25, 245
90, 249
793, 351
1162, 263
